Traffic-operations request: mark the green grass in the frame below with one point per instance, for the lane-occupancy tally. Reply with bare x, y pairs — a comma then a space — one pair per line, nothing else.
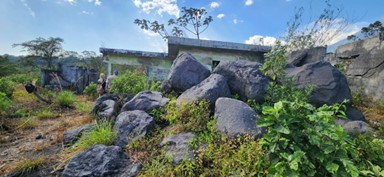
66, 99
103, 134
83, 107
45, 114
26, 166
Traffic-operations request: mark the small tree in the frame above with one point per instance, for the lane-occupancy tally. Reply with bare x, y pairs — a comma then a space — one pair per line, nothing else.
192, 20
371, 30
47, 49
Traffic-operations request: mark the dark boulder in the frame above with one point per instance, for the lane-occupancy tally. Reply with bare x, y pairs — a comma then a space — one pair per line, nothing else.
354, 114
120, 99
305, 56
330, 85
178, 146
71, 136
210, 89
131, 125
244, 78
146, 101
185, 73
108, 109
101, 160
235, 117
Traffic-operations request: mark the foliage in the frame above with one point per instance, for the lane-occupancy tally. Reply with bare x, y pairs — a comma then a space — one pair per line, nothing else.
47, 49
371, 150
7, 86
300, 135
103, 134
191, 20
6, 67
93, 60
358, 97
66, 98
5, 103
90, 90
188, 117
130, 82
83, 107
24, 77
275, 64
319, 32
371, 30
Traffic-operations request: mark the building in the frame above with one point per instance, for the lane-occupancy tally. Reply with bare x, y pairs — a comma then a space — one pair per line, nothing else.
209, 53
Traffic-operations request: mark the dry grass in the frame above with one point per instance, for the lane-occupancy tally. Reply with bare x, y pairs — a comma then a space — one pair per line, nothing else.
26, 166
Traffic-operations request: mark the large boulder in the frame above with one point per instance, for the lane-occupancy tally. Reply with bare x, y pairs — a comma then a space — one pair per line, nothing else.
71, 136
354, 127
210, 89
101, 160
146, 101
131, 125
305, 56
330, 84
244, 78
120, 99
178, 146
108, 109
185, 72
235, 117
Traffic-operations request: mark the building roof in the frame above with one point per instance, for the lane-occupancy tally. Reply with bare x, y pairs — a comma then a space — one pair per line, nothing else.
106, 51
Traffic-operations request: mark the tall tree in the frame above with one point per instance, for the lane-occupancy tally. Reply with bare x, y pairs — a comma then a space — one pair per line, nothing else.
47, 49
192, 20
371, 30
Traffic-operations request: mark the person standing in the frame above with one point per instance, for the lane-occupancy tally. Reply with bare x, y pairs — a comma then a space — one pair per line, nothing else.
110, 78
101, 85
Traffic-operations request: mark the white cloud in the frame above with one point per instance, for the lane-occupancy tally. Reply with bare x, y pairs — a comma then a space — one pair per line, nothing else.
73, 2
160, 6
261, 40
214, 5
86, 12
236, 21
220, 16
248, 2
33, 14
97, 2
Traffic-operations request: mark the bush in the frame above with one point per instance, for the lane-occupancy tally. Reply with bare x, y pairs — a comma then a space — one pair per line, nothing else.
7, 86
5, 103
23, 78
90, 90
66, 98
133, 83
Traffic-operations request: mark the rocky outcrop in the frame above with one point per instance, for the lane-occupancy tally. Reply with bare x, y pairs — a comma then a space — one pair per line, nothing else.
71, 136
210, 89
185, 73
366, 69
330, 85
177, 146
131, 125
120, 99
305, 56
146, 101
244, 78
108, 109
235, 117
101, 160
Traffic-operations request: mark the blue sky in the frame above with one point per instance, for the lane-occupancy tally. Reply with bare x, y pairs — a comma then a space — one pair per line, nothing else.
90, 24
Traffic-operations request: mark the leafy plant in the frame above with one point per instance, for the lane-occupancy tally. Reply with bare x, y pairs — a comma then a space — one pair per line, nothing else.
300, 135
275, 64
66, 98
130, 82
103, 134
7, 86
90, 90
5, 103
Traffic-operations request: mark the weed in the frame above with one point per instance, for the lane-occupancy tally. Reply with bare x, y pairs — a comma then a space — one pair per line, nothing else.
103, 134
90, 90
84, 107
66, 98
26, 166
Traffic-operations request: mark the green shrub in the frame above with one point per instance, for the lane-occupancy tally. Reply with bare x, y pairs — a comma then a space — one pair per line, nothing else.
90, 90
23, 78
66, 98
5, 103
7, 86
303, 140
103, 134
130, 82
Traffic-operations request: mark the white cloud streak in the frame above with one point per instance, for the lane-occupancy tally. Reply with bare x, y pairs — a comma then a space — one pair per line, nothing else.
160, 6
248, 2
25, 4
214, 5
237, 21
220, 16
261, 40
73, 2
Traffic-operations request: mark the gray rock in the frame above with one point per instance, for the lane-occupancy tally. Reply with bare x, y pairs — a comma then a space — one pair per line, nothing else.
354, 114
178, 146
305, 56
108, 109
120, 99
330, 84
354, 127
244, 78
99, 160
235, 117
71, 136
131, 125
210, 89
146, 101
185, 73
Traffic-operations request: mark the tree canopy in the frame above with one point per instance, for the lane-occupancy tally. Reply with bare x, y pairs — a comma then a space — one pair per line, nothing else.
192, 20
47, 49
371, 30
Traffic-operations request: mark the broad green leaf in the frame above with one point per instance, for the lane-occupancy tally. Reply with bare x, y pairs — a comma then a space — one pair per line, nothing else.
328, 149
332, 167
282, 129
278, 106
294, 165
